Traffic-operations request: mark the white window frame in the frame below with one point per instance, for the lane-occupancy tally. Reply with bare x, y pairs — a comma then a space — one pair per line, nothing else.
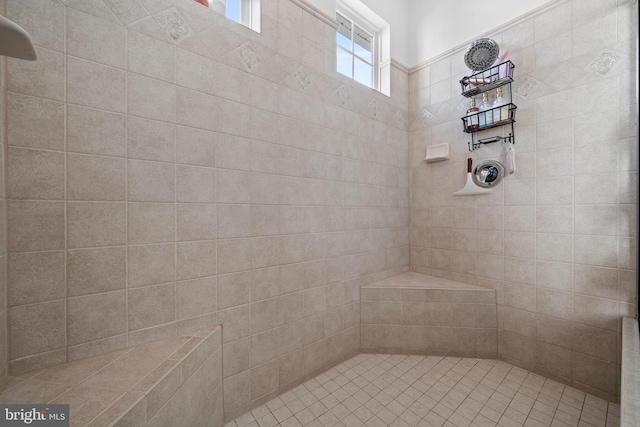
375, 56
250, 14
361, 15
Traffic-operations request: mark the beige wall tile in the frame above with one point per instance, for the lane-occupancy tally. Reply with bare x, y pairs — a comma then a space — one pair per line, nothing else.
36, 226
237, 322
596, 189
234, 255
596, 250
518, 347
193, 109
554, 247
555, 219
96, 316
595, 281
554, 191
234, 289
519, 321
195, 146
151, 306
554, 275
96, 132
264, 379
237, 357
597, 312
265, 220
595, 342
264, 315
151, 140
35, 122
264, 252
44, 78
151, 264
35, 174
486, 316
96, 270
265, 188
521, 245
27, 323
126, 12
95, 178
593, 372
152, 99
196, 259
554, 331
233, 187
291, 367
233, 153
94, 39
518, 270
195, 184
554, 303
290, 337
196, 297
238, 391
143, 50
151, 182
519, 296
36, 277
556, 360
234, 221
95, 224
94, 85
196, 222
151, 223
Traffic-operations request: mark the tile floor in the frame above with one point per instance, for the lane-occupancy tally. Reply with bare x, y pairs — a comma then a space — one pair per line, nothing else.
395, 390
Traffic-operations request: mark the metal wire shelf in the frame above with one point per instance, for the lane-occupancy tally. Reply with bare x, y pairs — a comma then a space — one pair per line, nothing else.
491, 78
498, 116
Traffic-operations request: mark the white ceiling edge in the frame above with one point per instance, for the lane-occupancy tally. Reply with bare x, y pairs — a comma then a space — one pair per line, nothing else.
437, 26
424, 29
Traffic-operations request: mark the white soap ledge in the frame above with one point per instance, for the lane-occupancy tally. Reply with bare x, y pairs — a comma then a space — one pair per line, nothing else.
15, 41
438, 152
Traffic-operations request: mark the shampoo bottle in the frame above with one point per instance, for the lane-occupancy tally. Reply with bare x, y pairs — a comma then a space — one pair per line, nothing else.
486, 118
500, 114
472, 116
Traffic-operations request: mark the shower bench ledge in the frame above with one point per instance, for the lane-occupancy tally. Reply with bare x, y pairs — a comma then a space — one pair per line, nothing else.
173, 381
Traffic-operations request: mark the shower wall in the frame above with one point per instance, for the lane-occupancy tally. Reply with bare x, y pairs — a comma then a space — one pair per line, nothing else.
558, 238
3, 222
170, 169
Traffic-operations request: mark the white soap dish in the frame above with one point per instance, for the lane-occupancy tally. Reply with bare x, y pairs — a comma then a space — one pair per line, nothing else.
438, 152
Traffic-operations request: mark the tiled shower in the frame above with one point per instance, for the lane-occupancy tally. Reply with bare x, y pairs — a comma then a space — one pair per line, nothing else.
168, 170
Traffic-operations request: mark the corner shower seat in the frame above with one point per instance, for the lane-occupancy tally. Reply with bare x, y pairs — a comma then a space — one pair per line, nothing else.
414, 313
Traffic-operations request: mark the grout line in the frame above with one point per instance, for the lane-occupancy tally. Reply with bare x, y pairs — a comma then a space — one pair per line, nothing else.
66, 173
126, 195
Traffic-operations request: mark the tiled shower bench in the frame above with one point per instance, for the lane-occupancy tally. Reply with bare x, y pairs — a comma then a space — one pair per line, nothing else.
414, 313
174, 382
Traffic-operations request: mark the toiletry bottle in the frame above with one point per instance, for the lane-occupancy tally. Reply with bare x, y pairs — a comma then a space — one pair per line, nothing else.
486, 119
472, 116
500, 114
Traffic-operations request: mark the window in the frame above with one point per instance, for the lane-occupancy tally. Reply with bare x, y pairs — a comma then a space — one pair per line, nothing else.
246, 12
355, 52
363, 45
